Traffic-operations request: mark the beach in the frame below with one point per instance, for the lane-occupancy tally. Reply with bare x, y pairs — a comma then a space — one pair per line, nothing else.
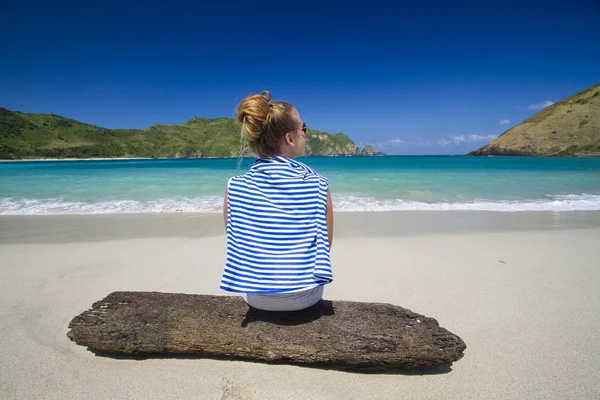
521, 289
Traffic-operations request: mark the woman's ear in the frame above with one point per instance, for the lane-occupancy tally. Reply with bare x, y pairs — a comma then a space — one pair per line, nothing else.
289, 139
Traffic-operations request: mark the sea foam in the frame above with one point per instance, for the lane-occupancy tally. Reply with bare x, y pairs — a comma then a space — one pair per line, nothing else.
214, 204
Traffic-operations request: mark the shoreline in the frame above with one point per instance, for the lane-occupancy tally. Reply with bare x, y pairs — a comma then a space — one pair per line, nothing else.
79, 159
384, 224
208, 158
591, 155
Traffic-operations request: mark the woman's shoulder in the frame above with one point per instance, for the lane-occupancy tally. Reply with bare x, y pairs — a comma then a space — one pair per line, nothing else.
309, 169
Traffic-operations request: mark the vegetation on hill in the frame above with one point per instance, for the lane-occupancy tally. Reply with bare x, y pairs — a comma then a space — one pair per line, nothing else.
51, 136
570, 127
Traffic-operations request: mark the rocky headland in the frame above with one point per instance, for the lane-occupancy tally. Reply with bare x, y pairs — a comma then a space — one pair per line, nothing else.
570, 127
26, 136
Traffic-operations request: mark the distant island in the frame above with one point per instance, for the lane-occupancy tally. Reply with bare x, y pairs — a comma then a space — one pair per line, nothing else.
570, 127
24, 136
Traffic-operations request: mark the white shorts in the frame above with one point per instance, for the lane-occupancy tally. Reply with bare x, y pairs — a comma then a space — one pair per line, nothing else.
292, 301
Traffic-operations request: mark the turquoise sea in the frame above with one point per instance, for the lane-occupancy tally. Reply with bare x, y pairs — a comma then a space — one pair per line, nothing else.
503, 184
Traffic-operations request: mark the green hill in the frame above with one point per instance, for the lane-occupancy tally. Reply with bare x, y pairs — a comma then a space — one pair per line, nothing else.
569, 127
51, 136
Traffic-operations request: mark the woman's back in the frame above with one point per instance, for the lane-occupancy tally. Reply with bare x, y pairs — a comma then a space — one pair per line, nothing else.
277, 239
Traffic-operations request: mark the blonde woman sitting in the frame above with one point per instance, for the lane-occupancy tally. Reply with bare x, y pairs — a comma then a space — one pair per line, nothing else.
278, 215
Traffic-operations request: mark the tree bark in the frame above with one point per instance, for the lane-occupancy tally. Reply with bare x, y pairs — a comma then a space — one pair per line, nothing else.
371, 336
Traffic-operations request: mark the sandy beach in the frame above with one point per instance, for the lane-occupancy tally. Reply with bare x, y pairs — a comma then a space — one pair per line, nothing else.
521, 289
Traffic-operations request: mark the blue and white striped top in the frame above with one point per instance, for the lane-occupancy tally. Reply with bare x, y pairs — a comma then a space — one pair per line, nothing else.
277, 238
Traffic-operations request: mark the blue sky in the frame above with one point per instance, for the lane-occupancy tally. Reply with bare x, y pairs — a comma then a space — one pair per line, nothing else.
428, 77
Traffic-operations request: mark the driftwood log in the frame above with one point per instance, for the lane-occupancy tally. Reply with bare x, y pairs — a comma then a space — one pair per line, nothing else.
343, 334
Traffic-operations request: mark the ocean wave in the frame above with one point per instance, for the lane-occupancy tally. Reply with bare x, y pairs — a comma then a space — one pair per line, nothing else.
214, 204
571, 202
62, 207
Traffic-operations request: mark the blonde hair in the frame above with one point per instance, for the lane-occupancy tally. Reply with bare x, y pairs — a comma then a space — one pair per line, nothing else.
265, 122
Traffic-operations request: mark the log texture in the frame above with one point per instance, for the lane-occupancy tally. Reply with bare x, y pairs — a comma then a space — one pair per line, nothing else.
352, 335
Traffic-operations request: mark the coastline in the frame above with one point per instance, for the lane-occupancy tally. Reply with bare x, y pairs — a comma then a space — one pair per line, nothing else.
79, 159
196, 158
521, 289
586, 155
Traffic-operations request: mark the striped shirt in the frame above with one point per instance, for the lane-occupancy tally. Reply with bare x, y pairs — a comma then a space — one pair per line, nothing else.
277, 238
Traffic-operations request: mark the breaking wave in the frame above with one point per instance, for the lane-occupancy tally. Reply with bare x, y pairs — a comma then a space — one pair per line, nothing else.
214, 204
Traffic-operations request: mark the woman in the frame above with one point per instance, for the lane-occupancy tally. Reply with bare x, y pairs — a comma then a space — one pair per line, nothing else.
278, 215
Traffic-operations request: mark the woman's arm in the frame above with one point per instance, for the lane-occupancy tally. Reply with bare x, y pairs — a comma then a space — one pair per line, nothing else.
329, 217
225, 208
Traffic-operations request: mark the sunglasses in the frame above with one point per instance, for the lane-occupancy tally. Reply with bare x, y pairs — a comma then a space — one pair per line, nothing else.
303, 129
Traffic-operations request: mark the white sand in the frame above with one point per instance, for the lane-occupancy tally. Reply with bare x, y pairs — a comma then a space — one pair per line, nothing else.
531, 325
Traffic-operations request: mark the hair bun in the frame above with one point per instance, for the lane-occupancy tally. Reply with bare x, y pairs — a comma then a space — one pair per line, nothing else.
253, 114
